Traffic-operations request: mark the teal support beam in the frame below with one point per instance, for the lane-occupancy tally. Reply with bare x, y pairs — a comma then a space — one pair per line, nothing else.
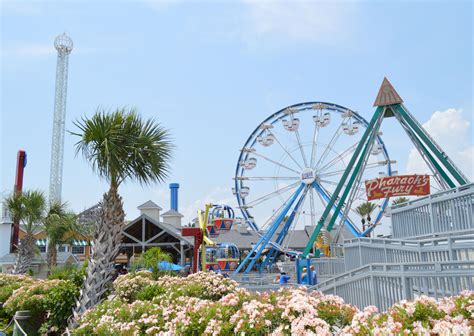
425, 139
356, 170
380, 110
426, 152
325, 194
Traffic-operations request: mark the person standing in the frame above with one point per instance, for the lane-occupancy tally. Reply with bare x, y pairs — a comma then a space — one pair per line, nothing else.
314, 279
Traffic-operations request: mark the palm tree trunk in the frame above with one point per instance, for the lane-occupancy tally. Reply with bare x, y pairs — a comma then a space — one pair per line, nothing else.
107, 240
26, 253
51, 256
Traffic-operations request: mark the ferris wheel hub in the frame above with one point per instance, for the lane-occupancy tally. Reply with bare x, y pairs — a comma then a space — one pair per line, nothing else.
308, 175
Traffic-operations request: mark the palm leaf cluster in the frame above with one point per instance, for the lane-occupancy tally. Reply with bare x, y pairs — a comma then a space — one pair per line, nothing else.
364, 210
30, 210
60, 226
400, 200
121, 145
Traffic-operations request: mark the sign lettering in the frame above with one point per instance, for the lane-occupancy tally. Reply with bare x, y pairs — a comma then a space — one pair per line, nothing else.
403, 185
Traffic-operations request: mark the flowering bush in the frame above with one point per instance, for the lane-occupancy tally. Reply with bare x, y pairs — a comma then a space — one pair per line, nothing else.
127, 286
203, 285
208, 304
423, 316
75, 274
141, 285
49, 301
10, 282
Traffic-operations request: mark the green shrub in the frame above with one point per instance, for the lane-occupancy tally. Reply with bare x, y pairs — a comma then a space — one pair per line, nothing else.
151, 291
59, 302
128, 286
49, 301
8, 284
151, 257
70, 272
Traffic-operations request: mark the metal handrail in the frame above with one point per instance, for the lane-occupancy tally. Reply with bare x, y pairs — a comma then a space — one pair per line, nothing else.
442, 214
385, 284
384, 269
464, 190
364, 251
20, 329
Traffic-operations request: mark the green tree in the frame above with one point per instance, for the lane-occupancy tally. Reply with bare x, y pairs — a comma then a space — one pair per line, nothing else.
119, 146
400, 200
28, 208
59, 225
364, 211
151, 257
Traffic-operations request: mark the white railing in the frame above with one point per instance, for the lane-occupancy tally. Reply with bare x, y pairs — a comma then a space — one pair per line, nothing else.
364, 251
328, 267
324, 267
383, 285
444, 213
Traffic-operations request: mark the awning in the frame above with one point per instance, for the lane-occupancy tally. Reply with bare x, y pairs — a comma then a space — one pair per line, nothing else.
167, 266
79, 242
40, 242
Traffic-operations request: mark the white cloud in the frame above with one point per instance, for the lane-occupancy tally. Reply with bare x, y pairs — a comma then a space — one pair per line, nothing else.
29, 50
454, 134
218, 195
300, 21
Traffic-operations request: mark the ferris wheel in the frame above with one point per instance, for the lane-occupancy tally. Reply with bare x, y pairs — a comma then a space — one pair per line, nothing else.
302, 151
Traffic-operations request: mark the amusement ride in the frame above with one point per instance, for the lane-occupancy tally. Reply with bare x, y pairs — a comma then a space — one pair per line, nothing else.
306, 165
213, 221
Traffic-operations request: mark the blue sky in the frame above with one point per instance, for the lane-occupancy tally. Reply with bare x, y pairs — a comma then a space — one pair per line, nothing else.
212, 71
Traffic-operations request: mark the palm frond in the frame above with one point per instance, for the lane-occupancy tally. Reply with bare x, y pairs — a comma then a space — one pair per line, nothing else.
120, 145
365, 209
400, 200
59, 223
28, 208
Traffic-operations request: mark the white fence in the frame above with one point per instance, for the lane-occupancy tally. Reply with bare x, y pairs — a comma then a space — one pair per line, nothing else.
324, 267
328, 267
363, 251
443, 213
383, 285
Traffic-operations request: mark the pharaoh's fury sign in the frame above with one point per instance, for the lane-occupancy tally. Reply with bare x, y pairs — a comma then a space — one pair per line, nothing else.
403, 185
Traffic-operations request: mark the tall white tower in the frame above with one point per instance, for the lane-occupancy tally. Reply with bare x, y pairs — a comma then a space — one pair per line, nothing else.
63, 45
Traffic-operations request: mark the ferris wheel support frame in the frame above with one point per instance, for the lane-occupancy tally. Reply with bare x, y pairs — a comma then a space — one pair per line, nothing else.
389, 104
282, 235
257, 249
271, 256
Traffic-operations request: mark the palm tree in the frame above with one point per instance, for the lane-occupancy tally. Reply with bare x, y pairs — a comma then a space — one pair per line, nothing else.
364, 210
58, 224
119, 146
400, 200
27, 208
